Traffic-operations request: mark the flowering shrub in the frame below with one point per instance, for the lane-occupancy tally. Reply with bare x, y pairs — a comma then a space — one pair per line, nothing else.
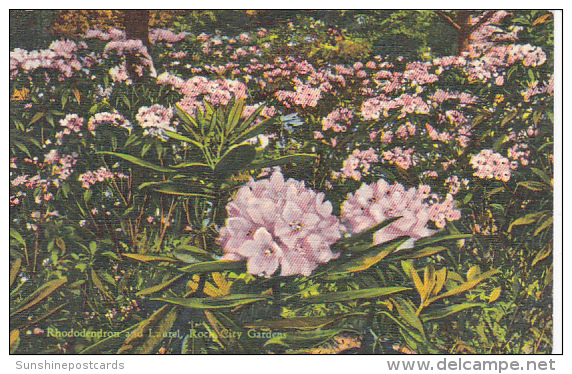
285, 178
274, 223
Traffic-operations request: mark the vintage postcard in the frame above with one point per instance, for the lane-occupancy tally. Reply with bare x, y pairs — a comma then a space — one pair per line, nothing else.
281, 181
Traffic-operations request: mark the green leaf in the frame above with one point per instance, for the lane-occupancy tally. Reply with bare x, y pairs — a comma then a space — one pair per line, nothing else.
368, 293
532, 185
22, 147
188, 119
246, 124
542, 176
98, 284
371, 256
158, 333
467, 285
436, 239
297, 323
364, 236
292, 159
234, 115
407, 312
231, 301
182, 190
254, 131
194, 168
234, 160
212, 266
526, 220
303, 338
41, 293
36, 117
16, 235
542, 254
183, 138
14, 270
143, 326
407, 254
139, 162
14, 340
443, 312
545, 224
159, 287
508, 118
148, 258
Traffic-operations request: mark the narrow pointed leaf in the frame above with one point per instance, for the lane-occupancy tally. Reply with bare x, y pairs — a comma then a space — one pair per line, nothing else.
138, 161
231, 301
368, 293
211, 266
148, 258
43, 292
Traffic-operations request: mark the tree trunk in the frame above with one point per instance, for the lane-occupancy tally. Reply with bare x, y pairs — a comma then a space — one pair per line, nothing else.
465, 31
136, 24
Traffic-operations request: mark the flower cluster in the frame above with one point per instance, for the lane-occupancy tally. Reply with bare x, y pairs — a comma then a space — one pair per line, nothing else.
338, 120
114, 119
305, 95
375, 203
133, 47
219, 91
358, 163
89, 178
276, 223
167, 36
155, 120
491, 165
111, 34
375, 107
400, 157
71, 123
60, 56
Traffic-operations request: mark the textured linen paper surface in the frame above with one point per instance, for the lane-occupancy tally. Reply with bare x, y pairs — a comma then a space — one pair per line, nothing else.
281, 181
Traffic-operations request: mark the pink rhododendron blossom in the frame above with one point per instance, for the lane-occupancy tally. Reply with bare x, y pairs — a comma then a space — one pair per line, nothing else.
111, 34
400, 157
274, 223
338, 120
90, 178
71, 123
358, 163
380, 201
491, 165
155, 120
60, 56
113, 118
163, 35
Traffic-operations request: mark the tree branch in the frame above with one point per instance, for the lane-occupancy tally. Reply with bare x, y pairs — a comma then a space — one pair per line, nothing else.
487, 16
446, 17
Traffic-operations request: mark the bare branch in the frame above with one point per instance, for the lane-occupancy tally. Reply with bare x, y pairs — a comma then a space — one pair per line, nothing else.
487, 16
446, 17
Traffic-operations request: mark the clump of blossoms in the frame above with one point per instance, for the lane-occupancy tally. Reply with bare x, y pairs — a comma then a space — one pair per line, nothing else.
60, 56
338, 120
219, 91
112, 118
275, 223
89, 178
358, 163
491, 165
155, 120
400, 157
71, 123
129, 47
375, 203
167, 36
